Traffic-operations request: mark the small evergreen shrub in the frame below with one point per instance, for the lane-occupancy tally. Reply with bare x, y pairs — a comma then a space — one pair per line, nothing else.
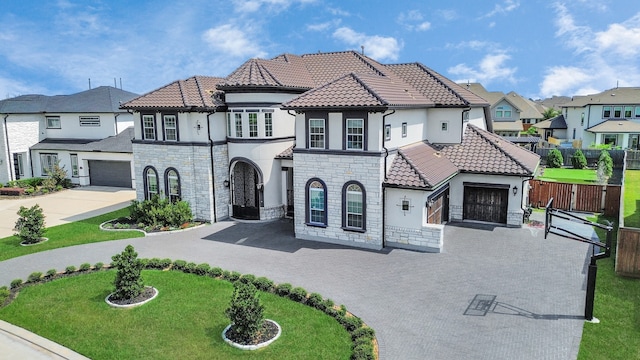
160, 212
363, 332
283, 289
30, 224
216, 272
51, 273
70, 269
4, 294
578, 160
363, 352
128, 282
16, 283
85, 267
153, 263
233, 276
343, 310
604, 167
248, 279
202, 269
179, 265
34, 277
190, 268
98, 266
298, 294
245, 312
263, 284
315, 301
351, 323
554, 159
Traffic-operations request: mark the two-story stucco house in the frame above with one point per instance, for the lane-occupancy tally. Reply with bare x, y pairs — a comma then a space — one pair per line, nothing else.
610, 117
359, 153
87, 133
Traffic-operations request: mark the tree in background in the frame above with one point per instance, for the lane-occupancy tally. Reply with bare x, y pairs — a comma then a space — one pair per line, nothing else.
554, 159
30, 224
605, 166
550, 113
578, 160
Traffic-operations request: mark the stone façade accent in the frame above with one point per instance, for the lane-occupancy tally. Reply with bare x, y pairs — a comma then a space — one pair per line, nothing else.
272, 213
193, 164
514, 218
335, 170
455, 212
427, 238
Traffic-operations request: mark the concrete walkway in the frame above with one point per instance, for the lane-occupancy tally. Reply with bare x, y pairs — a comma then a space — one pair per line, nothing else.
495, 293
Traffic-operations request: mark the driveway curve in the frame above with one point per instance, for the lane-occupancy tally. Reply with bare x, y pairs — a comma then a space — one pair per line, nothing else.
421, 305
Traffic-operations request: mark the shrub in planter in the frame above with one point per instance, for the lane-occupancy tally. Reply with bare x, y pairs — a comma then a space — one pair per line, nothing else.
70, 269
283, 289
16, 283
30, 224
554, 159
128, 282
245, 312
263, 284
298, 294
578, 160
34, 277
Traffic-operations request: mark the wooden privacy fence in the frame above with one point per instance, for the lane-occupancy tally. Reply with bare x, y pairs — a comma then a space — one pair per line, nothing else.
576, 197
628, 252
591, 155
633, 160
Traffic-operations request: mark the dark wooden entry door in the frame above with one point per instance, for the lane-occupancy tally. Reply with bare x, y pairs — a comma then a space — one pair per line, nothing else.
245, 193
486, 204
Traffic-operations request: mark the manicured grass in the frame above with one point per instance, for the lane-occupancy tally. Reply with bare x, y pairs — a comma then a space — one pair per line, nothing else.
632, 198
617, 306
185, 321
75, 233
568, 175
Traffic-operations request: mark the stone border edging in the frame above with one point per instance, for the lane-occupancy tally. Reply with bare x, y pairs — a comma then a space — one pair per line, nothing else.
132, 305
151, 233
251, 347
44, 239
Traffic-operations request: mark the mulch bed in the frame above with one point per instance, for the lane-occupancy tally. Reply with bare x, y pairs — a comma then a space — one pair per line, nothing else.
127, 224
146, 294
269, 331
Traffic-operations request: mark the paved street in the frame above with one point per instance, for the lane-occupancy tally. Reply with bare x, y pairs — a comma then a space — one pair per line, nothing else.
419, 304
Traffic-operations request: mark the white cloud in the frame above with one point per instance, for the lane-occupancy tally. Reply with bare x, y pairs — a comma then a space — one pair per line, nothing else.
447, 14
621, 39
492, 67
377, 47
423, 26
338, 12
412, 20
474, 45
11, 88
564, 80
323, 26
502, 9
232, 41
251, 6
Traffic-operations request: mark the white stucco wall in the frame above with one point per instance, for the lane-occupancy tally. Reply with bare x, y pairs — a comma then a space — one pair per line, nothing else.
70, 126
453, 119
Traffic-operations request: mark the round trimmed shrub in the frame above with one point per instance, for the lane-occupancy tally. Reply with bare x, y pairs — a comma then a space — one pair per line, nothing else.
85, 267
216, 272
70, 269
298, 294
34, 277
315, 301
202, 269
179, 265
98, 266
264, 284
578, 160
283, 289
16, 283
51, 273
554, 159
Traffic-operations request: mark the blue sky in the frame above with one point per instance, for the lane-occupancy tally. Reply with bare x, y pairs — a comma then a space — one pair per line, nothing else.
536, 48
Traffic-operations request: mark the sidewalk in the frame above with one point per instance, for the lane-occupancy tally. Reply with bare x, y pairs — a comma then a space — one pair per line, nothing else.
18, 343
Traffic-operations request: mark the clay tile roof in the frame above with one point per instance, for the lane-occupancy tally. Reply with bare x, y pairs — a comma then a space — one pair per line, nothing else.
439, 89
325, 67
287, 154
485, 153
283, 71
197, 92
420, 166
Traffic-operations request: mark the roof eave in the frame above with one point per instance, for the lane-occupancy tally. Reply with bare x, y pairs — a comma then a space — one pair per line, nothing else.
335, 108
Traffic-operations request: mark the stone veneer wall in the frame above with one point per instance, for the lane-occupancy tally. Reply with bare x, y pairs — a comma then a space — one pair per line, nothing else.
272, 213
194, 167
428, 238
335, 170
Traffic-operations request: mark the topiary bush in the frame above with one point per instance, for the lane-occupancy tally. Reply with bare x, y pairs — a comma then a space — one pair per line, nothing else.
264, 284
70, 269
30, 224
554, 159
202, 269
128, 282
51, 273
216, 272
85, 267
298, 294
179, 265
190, 268
315, 301
16, 283
283, 289
245, 313
98, 266
578, 160
34, 277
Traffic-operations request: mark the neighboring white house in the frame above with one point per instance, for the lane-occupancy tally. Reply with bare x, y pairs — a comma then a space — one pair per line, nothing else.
359, 153
87, 133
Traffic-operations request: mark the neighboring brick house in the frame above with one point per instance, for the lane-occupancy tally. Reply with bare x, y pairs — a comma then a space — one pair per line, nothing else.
360, 153
87, 133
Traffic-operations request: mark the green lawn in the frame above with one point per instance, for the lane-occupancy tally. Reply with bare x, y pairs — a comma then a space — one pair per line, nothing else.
617, 306
632, 198
185, 321
568, 175
75, 233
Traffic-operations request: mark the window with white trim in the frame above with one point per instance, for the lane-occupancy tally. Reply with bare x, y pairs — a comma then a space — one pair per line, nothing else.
228, 124
627, 111
268, 124
404, 129
148, 127
503, 111
353, 206
47, 162
53, 122
617, 112
316, 202
387, 132
238, 118
606, 112
170, 125
150, 176
253, 124
19, 165
316, 134
74, 165
355, 134
173, 184
89, 120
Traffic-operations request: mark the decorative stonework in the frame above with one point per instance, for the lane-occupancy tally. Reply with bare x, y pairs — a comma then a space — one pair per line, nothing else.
252, 347
112, 304
428, 238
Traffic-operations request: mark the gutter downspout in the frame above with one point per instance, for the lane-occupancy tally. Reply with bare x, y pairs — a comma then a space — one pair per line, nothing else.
115, 120
386, 155
464, 111
213, 173
6, 135
522, 196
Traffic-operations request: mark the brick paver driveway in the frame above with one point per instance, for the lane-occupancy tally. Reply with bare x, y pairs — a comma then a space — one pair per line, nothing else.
419, 304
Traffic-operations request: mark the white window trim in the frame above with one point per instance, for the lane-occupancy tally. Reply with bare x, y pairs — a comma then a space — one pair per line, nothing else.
323, 134
49, 123
48, 159
75, 170
145, 127
166, 127
348, 134
253, 124
268, 124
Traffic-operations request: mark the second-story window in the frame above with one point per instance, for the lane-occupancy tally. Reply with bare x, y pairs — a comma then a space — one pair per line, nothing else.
228, 124
170, 124
606, 112
148, 127
53, 122
355, 134
627, 111
253, 124
404, 129
268, 124
316, 134
238, 118
387, 132
617, 112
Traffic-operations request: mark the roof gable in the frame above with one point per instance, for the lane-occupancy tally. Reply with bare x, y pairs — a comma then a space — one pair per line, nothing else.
619, 95
194, 93
420, 166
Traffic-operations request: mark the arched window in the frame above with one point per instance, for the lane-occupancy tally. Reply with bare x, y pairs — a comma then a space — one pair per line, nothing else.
172, 184
353, 206
150, 176
316, 201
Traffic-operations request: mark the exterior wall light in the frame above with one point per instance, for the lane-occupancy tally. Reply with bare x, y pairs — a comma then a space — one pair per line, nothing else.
225, 183
515, 190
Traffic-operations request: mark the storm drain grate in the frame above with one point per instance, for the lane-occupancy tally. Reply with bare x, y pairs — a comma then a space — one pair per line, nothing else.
480, 305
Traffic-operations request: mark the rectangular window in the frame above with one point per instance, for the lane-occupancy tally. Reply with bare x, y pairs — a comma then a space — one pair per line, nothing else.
152, 184
444, 126
238, 125
74, 165
387, 132
627, 111
355, 134
170, 123
611, 139
19, 164
316, 134
354, 209
268, 124
606, 112
89, 120
499, 113
617, 112
316, 205
228, 124
404, 129
47, 162
253, 124
405, 205
53, 122
637, 115
148, 127
507, 113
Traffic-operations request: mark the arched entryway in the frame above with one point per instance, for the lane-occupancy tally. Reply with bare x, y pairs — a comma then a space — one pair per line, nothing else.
246, 189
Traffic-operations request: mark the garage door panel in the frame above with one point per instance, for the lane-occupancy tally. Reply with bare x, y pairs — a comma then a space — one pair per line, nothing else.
110, 173
485, 204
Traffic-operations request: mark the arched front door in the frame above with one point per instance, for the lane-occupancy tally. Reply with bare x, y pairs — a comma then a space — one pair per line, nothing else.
246, 191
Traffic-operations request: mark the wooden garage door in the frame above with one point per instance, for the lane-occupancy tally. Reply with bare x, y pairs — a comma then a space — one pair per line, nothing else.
110, 173
486, 204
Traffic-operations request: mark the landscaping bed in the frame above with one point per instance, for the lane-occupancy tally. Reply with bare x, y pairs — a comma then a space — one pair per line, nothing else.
126, 223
